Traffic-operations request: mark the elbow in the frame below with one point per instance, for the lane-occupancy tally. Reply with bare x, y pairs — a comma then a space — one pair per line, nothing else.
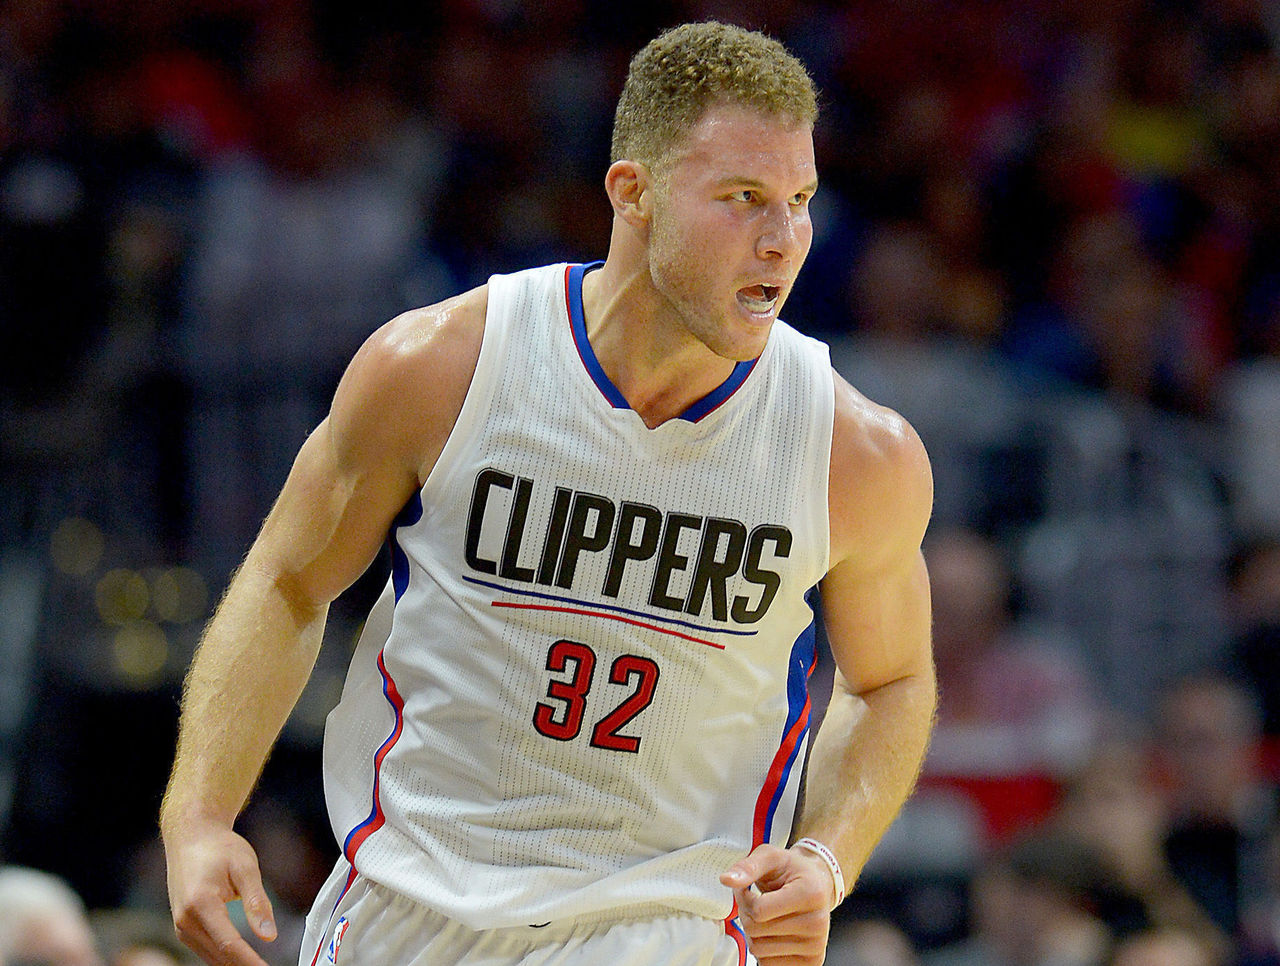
287, 588
303, 605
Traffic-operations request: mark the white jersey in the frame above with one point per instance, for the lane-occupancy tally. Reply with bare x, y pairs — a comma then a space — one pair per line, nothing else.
584, 692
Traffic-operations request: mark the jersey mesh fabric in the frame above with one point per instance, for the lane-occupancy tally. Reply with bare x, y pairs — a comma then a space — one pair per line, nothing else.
670, 673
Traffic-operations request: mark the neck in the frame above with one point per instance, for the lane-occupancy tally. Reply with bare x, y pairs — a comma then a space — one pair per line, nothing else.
653, 360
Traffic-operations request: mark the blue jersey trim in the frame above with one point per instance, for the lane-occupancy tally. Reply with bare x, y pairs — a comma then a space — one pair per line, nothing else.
410, 514
579, 322
717, 397
804, 655
577, 319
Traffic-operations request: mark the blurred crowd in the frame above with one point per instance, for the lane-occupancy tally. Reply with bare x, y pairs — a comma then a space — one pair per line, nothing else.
1048, 233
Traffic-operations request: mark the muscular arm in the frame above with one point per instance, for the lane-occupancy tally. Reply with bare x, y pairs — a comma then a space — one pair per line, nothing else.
390, 417
868, 751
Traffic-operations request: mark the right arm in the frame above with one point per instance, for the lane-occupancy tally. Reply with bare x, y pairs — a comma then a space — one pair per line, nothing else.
390, 417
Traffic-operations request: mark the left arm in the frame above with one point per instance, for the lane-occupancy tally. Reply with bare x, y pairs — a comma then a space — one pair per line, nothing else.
868, 752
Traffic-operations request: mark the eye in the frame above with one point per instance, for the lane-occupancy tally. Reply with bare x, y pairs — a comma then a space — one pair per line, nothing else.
799, 200
745, 195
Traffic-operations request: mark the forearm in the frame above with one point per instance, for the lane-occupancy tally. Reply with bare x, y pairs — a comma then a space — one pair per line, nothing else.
863, 765
252, 663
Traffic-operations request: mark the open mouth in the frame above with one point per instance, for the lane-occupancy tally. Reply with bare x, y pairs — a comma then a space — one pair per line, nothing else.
759, 299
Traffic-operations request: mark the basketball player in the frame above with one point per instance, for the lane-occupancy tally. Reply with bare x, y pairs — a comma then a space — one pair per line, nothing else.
573, 728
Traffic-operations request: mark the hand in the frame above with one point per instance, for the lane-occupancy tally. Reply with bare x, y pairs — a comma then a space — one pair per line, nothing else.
209, 867
788, 919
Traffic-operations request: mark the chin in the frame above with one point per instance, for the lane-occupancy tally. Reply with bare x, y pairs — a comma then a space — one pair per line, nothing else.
747, 347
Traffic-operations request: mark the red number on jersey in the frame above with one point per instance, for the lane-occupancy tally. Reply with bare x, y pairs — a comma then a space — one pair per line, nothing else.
573, 692
626, 669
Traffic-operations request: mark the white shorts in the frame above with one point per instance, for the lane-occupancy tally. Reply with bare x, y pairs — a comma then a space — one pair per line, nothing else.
355, 922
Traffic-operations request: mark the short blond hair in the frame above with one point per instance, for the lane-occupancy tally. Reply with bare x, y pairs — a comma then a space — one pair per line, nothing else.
685, 71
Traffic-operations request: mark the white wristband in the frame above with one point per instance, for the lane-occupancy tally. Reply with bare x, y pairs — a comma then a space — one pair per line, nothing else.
829, 857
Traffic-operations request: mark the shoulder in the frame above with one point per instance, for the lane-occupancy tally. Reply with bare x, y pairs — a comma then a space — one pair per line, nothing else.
405, 386
445, 335
880, 493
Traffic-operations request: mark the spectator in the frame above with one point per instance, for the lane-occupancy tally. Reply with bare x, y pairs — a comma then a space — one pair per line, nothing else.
43, 921
133, 937
912, 350
294, 249
1223, 809
1248, 407
1016, 714
1255, 606
871, 942
1033, 906
1013, 698
1115, 805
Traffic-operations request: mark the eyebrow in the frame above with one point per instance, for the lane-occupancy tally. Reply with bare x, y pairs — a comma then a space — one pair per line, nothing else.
733, 181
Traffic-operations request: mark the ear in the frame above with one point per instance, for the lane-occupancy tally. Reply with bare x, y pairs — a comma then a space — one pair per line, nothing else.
630, 189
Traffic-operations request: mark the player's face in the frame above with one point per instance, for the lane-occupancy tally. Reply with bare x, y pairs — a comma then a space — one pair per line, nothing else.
730, 227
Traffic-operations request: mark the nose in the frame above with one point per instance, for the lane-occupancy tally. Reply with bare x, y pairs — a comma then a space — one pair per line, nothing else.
785, 233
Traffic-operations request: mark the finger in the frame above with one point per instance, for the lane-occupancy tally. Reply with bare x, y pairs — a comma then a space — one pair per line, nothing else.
211, 934
806, 924
806, 948
798, 898
748, 908
769, 957
812, 960
257, 907
792, 929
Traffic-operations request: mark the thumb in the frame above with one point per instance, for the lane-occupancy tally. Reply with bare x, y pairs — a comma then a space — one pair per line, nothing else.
737, 876
751, 869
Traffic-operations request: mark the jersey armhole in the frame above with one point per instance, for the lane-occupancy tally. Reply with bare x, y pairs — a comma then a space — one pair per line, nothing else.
824, 403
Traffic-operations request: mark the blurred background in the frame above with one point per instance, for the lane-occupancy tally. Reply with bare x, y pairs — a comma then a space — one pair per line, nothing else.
1048, 233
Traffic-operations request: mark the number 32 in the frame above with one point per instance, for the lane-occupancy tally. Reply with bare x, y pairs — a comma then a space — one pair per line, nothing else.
564, 722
